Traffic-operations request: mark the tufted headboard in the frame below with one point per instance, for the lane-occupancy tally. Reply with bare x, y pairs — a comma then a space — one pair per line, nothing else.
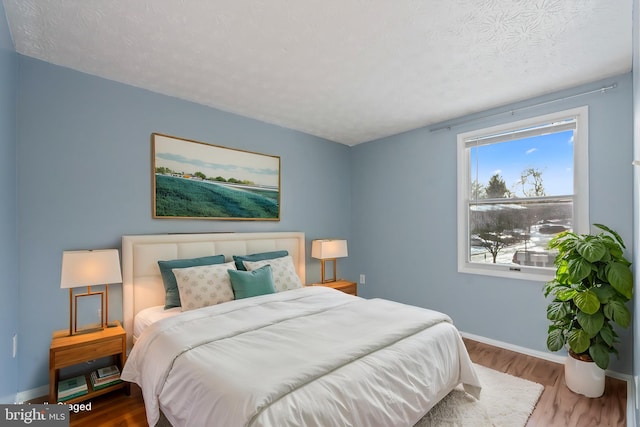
141, 281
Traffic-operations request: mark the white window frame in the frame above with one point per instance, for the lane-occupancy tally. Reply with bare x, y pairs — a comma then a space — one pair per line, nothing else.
580, 190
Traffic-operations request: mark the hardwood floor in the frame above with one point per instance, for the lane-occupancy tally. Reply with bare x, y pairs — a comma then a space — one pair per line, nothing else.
557, 406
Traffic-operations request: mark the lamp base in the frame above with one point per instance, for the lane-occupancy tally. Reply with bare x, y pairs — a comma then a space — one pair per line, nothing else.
323, 270
73, 312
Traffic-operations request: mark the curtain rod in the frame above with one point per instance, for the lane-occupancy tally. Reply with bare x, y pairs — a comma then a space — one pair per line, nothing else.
603, 90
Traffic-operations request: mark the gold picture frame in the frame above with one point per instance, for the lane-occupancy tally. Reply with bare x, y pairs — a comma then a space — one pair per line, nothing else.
197, 180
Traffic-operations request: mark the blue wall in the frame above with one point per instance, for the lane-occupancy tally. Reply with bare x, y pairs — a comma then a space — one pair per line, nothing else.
8, 218
404, 220
85, 180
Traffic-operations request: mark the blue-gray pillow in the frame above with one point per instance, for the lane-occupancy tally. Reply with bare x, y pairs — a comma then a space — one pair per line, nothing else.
257, 257
172, 295
248, 284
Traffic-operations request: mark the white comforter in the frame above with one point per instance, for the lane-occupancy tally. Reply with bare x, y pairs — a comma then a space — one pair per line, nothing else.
307, 357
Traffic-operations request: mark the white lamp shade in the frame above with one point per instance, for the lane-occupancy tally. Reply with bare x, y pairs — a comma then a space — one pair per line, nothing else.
329, 249
88, 268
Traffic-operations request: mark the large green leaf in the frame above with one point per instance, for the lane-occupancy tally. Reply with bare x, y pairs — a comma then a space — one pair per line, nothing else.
618, 312
549, 287
557, 310
615, 251
591, 323
591, 249
601, 274
565, 240
600, 354
554, 287
578, 269
607, 334
587, 301
555, 340
621, 278
562, 273
612, 232
566, 294
605, 293
578, 340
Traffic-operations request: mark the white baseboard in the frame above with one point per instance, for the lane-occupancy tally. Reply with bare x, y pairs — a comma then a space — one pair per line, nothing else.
631, 407
631, 392
34, 393
518, 349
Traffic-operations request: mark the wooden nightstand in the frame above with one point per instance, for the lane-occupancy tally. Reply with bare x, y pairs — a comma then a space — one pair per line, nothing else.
72, 350
342, 285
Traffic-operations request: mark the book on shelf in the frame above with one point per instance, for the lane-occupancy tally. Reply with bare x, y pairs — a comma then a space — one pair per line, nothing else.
72, 396
72, 387
108, 371
98, 383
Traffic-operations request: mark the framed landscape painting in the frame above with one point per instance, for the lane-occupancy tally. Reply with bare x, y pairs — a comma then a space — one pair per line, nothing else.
196, 180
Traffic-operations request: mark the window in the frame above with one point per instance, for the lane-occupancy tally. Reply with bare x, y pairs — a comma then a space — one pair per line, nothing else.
519, 185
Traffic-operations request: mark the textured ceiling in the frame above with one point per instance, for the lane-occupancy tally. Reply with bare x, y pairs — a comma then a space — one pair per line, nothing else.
349, 71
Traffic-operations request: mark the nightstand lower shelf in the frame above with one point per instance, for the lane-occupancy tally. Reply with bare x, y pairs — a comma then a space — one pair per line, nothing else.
94, 393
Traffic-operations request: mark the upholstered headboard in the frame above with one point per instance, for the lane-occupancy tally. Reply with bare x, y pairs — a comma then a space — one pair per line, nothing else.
141, 281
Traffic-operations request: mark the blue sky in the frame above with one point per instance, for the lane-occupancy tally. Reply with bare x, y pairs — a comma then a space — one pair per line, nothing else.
550, 154
212, 160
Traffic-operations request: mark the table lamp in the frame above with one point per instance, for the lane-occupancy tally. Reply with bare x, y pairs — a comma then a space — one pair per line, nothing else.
89, 268
328, 250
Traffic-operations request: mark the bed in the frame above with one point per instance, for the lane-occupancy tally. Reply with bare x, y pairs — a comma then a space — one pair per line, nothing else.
307, 355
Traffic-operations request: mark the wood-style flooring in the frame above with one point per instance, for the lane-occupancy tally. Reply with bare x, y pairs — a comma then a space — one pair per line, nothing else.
557, 406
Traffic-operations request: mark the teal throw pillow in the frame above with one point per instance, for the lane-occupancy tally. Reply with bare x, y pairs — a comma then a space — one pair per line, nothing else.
257, 257
172, 295
248, 284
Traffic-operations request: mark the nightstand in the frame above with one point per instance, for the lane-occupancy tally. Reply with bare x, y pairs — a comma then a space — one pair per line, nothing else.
341, 285
72, 350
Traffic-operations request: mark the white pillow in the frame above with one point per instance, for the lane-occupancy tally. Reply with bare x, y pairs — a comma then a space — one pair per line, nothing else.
204, 285
284, 272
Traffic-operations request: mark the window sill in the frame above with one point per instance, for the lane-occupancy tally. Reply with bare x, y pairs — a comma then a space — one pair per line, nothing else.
510, 272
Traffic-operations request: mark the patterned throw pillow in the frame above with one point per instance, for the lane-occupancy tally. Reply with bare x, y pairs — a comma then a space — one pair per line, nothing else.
284, 272
172, 296
204, 285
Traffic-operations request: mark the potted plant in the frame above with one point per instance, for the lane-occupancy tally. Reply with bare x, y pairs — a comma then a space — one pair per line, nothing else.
592, 284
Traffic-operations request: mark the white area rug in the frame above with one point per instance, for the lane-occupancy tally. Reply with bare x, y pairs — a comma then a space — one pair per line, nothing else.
505, 401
